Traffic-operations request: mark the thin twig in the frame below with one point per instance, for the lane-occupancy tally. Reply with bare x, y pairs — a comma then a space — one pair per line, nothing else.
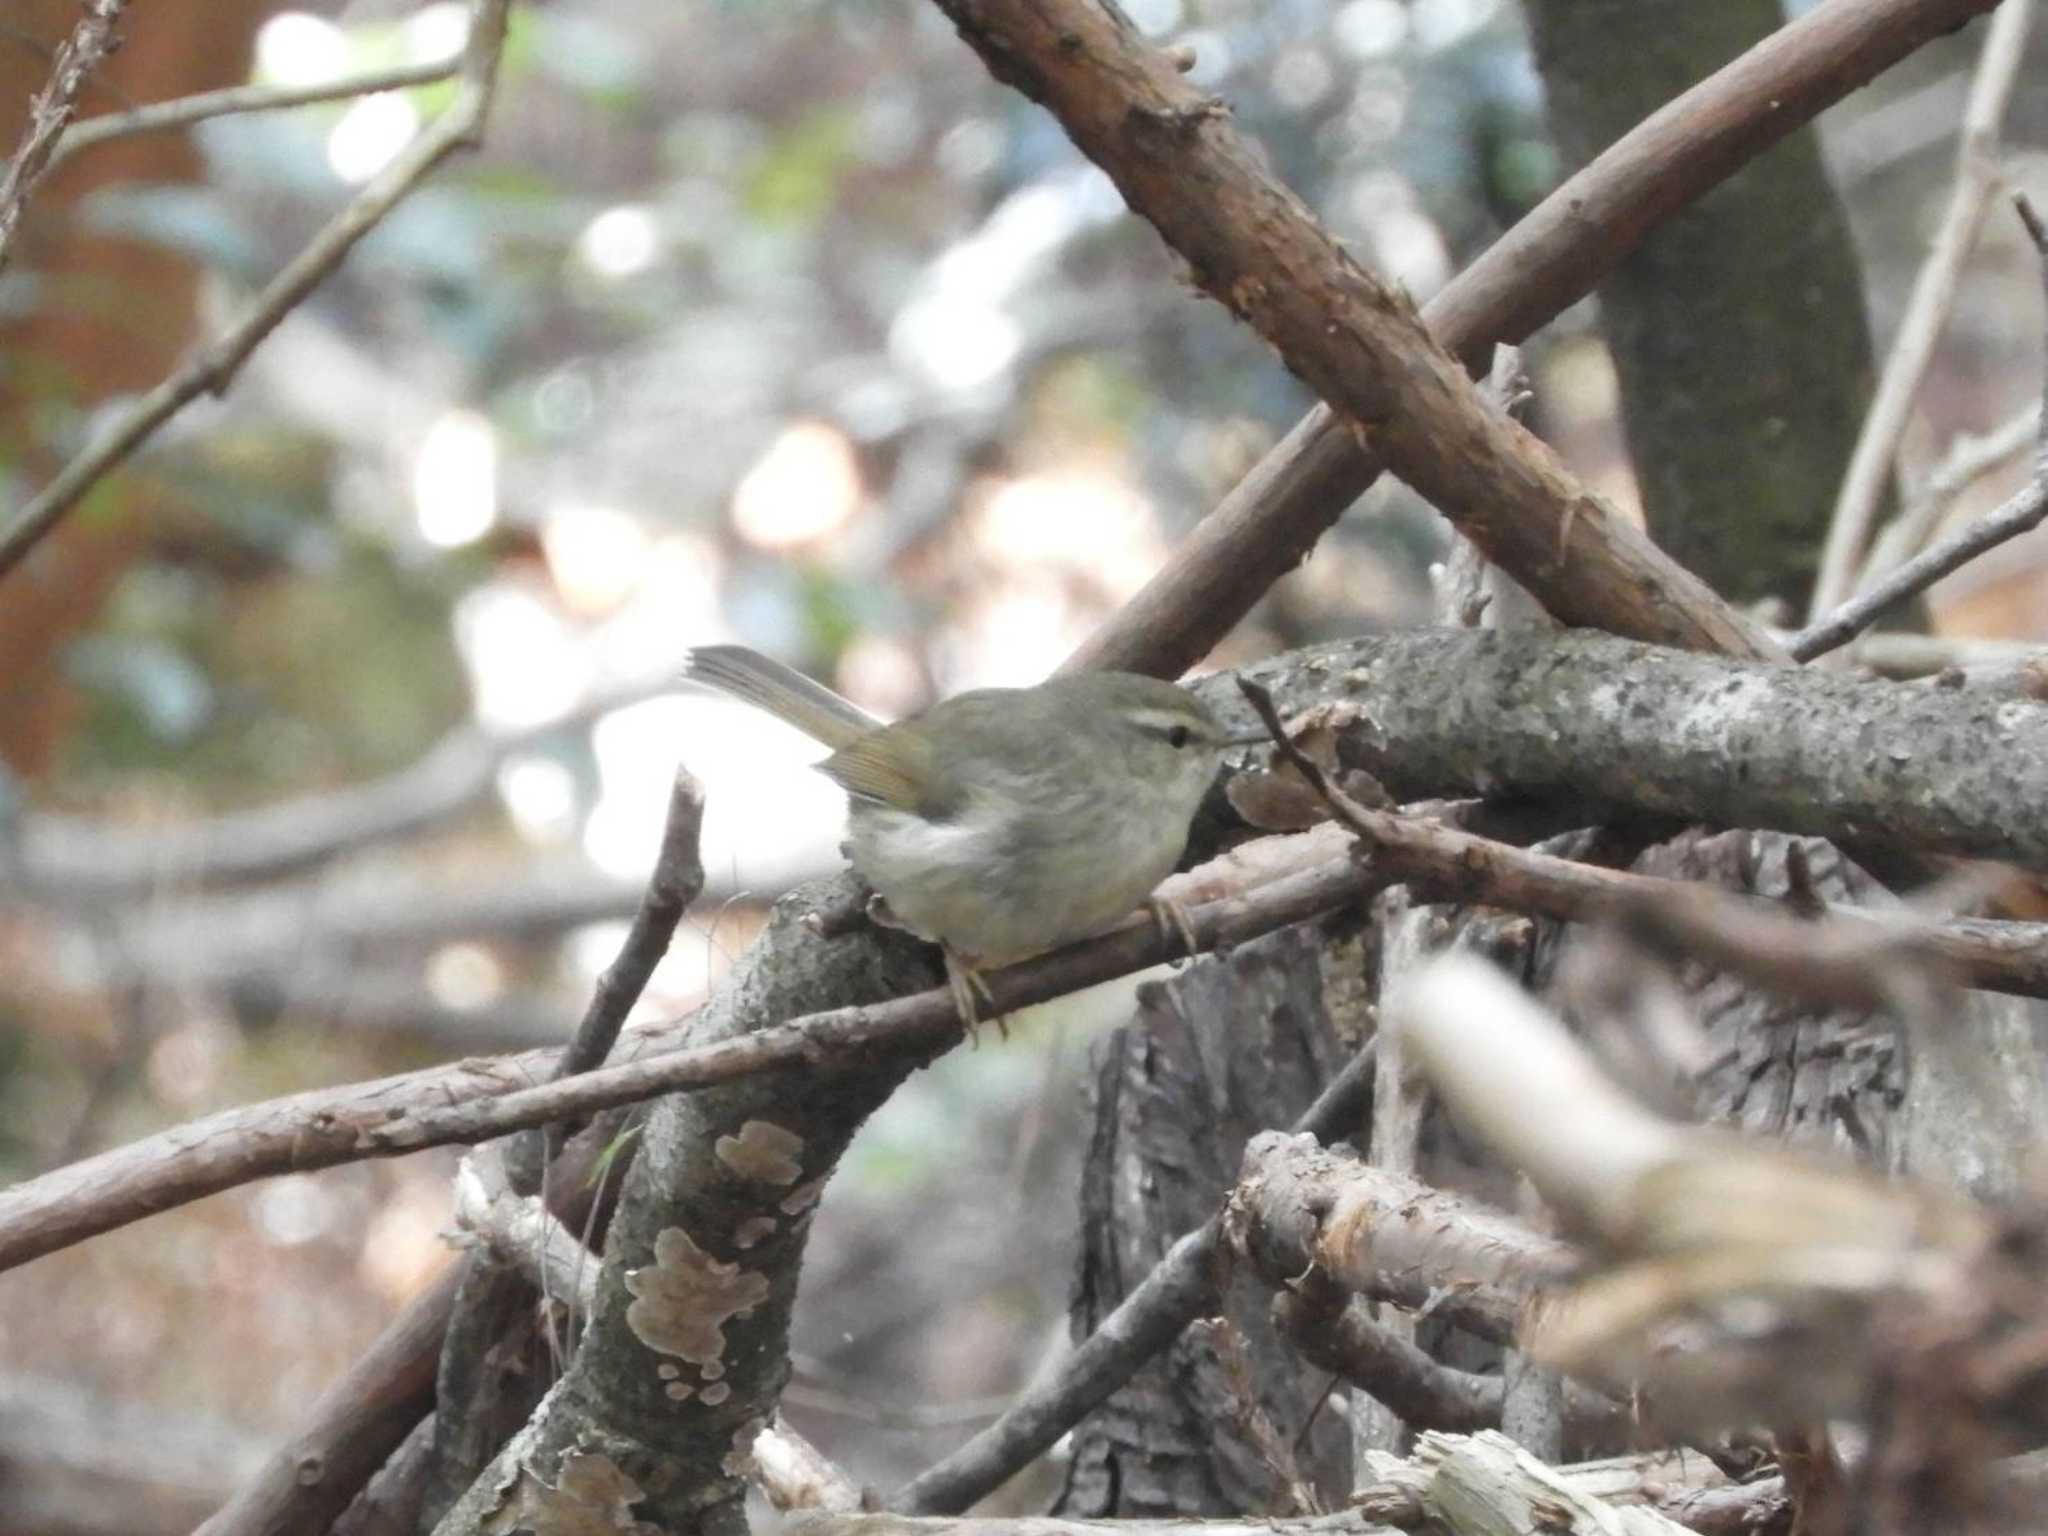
1969, 457
183, 111
215, 366
1934, 290
677, 879
2018, 515
502, 1200
1348, 812
83, 52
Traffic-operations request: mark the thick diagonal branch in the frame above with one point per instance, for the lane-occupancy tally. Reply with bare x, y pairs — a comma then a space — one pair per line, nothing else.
1549, 260
1356, 340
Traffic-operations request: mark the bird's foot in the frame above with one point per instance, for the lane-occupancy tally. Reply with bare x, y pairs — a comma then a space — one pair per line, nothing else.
965, 982
1172, 919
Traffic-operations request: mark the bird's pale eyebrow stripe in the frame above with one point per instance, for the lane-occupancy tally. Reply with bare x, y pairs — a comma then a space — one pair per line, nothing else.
1160, 721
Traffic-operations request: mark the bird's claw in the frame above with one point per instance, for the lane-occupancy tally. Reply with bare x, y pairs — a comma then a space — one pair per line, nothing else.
1173, 922
965, 981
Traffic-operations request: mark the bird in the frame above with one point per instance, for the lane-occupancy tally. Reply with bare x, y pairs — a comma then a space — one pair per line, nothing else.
1003, 822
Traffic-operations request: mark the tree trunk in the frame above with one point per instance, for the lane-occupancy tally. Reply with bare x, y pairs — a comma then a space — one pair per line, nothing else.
1228, 1048
1737, 327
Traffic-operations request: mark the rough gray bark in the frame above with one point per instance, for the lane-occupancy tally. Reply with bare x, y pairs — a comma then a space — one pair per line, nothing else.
1454, 712
1961, 1099
1738, 321
1227, 1049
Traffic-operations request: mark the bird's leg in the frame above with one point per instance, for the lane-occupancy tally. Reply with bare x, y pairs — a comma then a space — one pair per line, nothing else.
965, 981
962, 979
1172, 919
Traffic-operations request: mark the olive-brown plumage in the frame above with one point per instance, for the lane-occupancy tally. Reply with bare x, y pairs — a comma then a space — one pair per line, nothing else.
1004, 821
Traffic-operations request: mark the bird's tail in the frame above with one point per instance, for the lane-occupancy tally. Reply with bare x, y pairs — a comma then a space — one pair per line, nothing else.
782, 691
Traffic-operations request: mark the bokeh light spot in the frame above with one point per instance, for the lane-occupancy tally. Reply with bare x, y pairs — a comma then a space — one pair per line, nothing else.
804, 487
455, 480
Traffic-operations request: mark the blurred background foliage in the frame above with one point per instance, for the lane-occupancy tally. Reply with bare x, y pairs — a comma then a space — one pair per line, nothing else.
776, 322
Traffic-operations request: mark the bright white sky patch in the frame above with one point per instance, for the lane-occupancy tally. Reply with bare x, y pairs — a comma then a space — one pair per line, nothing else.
1370, 29
805, 486
596, 554
370, 134
524, 663
620, 241
539, 794
455, 480
437, 31
294, 48
464, 975
956, 342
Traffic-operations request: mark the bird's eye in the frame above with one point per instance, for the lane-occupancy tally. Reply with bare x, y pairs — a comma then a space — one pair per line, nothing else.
1177, 737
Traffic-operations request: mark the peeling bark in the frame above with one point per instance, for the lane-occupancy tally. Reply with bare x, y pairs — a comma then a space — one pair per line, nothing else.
1217, 1054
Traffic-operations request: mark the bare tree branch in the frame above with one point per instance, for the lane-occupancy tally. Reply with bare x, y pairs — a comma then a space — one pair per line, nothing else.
1969, 457
677, 879
1357, 341
250, 938
478, 1099
1787, 1278
461, 126
521, 1233
1331, 1333
1300, 1206
66, 859
499, 1193
91, 132
1447, 713
1411, 732
794, 1474
82, 53
1566, 733
1409, 1495
1553, 257
357, 1422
